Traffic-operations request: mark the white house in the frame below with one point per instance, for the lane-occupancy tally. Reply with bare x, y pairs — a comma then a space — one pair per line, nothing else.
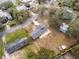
27, 1
21, 7
5, 14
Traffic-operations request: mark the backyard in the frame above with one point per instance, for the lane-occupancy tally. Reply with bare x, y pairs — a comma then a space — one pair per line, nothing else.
53, 40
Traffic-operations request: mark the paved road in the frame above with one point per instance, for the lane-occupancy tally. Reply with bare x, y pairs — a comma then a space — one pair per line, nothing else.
26, 23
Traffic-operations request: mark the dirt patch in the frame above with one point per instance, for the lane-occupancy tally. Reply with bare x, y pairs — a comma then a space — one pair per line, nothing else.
53, 41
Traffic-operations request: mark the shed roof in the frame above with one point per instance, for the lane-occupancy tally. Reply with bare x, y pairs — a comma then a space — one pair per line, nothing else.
17, 45
39, 31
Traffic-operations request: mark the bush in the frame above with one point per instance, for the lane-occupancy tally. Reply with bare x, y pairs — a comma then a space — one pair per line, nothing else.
74, 4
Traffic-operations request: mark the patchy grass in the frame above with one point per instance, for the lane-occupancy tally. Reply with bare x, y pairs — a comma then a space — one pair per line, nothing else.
11, 37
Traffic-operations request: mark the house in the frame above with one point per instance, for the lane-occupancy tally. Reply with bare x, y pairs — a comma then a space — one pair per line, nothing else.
2, 1
21, 7
5, 14
27, 1
17, 45
40, 29
50, 1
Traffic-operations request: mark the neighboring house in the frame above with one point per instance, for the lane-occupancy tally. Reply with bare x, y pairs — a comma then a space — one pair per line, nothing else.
50, 1
5, 14
23, 7
64, 27
4, 17
2, 1
27, 1
17, 45
40, 29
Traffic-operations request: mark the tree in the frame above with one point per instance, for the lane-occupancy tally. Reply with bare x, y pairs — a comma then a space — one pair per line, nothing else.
56, 19
41, 9
60, 15
76, 5
41, 1
74, 29
68, 3
19, 17
75, 51
6, 5
22, 16
46, 54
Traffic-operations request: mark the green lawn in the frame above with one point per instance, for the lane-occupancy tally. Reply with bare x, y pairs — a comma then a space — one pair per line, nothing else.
1, 49
12, 37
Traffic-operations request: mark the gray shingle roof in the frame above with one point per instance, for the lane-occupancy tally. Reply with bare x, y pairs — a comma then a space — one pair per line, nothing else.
39, 31
17, 45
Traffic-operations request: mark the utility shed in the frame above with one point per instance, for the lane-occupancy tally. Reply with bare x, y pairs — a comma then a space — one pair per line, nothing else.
17, 45
64, 27
40, 29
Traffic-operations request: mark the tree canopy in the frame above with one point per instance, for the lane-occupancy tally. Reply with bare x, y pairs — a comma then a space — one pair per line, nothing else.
75, 51
74, 29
